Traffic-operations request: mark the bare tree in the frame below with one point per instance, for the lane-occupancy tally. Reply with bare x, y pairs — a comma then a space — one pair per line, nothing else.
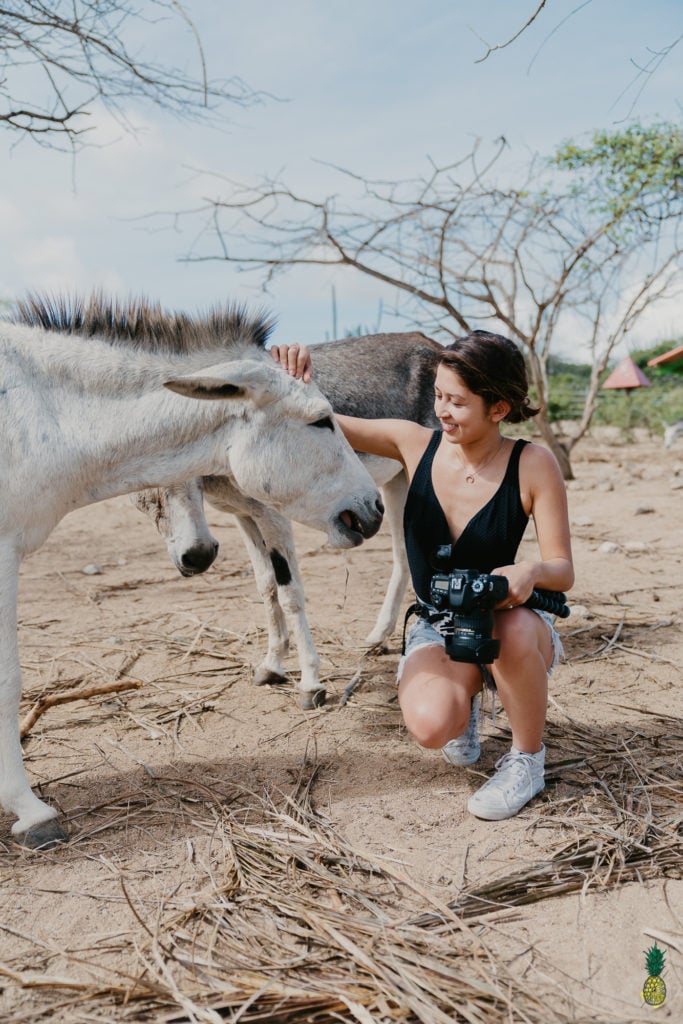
645, 67
58, 57
559, 255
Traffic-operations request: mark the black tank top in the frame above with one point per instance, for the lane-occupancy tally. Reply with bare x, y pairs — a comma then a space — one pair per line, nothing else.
490, 539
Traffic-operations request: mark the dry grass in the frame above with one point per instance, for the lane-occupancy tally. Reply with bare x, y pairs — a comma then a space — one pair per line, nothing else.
295, 925
298, 926
619, 802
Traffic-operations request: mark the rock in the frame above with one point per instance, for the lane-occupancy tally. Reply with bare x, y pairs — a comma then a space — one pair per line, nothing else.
605, 485
609, 548
91, 570
635, 545
677, 484
644, 510
579, 611
582, 521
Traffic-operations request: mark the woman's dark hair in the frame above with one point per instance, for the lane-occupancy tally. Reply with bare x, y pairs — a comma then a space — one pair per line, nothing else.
492, 367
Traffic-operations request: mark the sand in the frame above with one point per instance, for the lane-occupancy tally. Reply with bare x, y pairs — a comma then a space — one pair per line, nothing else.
127, 769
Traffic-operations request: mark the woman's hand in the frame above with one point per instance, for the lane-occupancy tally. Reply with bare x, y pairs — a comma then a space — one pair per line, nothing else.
295, 359
521, 582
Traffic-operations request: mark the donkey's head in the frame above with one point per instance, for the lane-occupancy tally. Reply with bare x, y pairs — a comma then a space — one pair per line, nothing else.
284, 448
178, 514
275, 438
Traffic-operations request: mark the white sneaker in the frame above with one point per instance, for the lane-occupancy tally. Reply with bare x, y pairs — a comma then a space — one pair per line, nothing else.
518, 778
464, 750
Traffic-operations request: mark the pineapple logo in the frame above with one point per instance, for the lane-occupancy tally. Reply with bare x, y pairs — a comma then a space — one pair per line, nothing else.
654, 989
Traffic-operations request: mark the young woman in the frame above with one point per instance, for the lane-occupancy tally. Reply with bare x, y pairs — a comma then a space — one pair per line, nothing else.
474, 488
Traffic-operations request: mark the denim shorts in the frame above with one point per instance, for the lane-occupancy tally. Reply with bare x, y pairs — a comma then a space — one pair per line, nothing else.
425, 634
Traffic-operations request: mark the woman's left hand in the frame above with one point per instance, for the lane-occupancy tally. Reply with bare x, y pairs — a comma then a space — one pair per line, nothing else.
520, 584
295, 359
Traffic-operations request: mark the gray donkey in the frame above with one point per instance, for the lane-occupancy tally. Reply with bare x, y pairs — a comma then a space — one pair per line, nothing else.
375, 376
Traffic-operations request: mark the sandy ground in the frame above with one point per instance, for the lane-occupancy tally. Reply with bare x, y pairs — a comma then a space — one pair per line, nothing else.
116, 764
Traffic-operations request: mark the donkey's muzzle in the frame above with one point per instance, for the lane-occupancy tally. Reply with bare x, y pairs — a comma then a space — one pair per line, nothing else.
356, 525
198, 558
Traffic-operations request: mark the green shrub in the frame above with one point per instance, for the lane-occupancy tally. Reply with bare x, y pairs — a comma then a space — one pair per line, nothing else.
651, 407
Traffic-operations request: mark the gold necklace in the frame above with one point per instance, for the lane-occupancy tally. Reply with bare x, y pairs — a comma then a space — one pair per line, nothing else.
475, 470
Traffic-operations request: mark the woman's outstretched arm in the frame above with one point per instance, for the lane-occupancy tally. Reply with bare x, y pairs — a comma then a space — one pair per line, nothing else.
393, 439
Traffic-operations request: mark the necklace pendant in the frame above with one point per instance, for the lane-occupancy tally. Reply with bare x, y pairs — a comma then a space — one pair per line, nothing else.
470, 478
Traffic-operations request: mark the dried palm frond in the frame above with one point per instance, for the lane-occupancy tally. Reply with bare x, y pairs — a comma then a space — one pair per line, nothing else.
297, 927
623, 810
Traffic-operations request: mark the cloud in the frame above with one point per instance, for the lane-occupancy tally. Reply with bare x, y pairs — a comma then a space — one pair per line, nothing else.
52, 263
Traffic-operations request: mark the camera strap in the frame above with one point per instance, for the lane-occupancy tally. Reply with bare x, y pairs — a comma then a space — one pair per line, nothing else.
414, 609
426, 612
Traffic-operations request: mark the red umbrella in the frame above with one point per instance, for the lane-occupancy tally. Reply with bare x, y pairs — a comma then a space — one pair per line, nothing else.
674, 355
627, 375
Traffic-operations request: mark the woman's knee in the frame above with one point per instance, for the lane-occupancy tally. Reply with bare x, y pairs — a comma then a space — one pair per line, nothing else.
434, 720
520, 635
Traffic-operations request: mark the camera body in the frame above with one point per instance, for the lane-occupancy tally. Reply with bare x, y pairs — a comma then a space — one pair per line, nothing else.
471, 596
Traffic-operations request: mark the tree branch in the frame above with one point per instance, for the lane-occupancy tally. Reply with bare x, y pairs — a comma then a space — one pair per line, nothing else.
68, 696
81, 45
518, 33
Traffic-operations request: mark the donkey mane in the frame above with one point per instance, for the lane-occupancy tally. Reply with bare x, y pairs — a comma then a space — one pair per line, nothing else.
140, 324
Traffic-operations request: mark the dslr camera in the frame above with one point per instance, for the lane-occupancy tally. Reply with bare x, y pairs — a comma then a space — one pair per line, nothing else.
470, 597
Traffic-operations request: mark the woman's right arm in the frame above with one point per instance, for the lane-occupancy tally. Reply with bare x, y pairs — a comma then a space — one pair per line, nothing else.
402, 440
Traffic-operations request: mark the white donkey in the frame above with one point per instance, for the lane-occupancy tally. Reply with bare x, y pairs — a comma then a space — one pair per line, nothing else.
381, 375
94, 403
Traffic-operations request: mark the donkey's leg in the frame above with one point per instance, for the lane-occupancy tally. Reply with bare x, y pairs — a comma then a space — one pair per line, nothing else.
394, 493
270, 543
36, 826
271, 669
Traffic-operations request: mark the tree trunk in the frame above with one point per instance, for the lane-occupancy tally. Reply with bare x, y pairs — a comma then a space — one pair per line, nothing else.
539, 379
557, 448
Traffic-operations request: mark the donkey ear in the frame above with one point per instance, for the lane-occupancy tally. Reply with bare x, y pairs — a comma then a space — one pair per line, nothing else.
204, 387
240, 379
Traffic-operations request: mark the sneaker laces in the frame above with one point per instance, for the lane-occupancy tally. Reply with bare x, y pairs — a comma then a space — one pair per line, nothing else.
521, 763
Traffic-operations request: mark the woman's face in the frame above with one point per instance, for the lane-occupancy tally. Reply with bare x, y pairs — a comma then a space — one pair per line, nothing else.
462, 414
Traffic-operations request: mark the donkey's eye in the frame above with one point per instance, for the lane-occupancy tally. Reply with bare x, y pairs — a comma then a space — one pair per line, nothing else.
325, 422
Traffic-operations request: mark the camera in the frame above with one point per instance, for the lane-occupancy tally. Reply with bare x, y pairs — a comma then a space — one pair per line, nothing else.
470, 597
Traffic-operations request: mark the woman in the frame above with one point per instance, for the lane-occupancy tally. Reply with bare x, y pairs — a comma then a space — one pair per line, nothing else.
474, 488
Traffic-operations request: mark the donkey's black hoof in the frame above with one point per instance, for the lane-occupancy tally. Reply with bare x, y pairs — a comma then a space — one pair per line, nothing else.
313, 699
45, 836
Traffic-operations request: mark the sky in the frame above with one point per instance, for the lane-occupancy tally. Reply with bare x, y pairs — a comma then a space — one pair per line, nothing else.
381, 87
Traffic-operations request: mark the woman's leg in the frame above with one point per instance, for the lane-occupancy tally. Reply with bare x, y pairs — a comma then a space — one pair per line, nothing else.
435, 695
521, 674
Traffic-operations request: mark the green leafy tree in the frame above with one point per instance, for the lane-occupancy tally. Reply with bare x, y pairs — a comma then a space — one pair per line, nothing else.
635, 176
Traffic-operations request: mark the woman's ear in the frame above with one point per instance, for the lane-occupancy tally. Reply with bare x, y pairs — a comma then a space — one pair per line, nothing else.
499, 411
